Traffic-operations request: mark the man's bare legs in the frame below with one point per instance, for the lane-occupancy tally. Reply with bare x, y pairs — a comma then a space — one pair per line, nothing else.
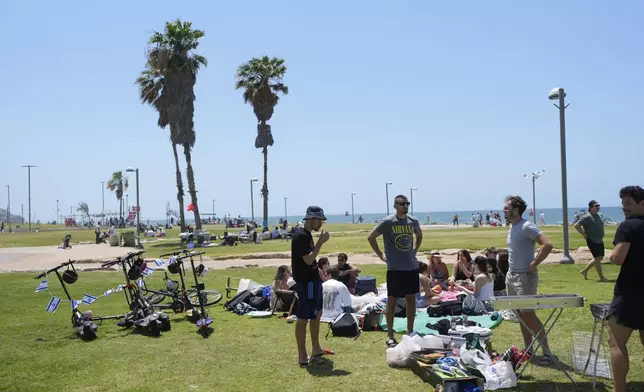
410, 302
533, 321
618, 336
300, 338
597, 263
316, 349
389, 315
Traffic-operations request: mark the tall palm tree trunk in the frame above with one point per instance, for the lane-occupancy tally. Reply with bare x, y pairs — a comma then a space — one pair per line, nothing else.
191, 185
265, 187
182, 214
120, 208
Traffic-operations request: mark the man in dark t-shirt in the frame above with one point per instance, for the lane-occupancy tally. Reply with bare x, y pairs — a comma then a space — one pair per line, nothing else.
308, 285
347, 272
626, 309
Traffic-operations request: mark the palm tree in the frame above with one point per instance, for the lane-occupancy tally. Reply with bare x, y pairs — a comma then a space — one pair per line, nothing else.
261, 79
118, 184
83, 208
152, 91
174, 66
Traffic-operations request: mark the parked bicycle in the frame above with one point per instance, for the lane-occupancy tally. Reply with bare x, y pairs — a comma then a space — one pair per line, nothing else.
142, 313
85, 323
204, 321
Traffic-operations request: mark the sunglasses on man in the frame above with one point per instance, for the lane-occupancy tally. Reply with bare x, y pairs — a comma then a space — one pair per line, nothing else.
404, 204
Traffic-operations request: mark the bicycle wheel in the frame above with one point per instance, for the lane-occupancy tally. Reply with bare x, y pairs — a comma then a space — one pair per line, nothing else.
209, 296
155, 298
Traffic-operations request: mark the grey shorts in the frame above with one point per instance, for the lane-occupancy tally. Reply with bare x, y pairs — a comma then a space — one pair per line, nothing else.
522, 283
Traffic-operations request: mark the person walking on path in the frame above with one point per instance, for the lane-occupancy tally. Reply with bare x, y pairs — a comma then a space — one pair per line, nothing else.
542, 219
591, 227
308, 284
625, 312
523, 276
403, 281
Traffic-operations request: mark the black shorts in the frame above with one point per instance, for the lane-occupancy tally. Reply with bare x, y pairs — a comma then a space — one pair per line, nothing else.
597, 250
402, 283
627, 313
309, 299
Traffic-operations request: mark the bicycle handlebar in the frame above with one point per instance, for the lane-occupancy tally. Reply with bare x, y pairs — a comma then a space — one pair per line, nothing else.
122, 259
70, 262
189, 254
177, 253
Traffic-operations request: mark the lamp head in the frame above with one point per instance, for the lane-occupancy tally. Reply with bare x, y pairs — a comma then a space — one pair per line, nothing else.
253, 179
554, 93
389, 183
130, 169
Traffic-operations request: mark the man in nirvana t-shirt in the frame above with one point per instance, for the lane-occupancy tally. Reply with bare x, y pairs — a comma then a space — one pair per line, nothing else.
308, 284
626, 313
403, 281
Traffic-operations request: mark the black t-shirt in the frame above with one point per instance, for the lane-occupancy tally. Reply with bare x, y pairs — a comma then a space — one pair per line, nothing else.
628, 283
302, 244
344, 278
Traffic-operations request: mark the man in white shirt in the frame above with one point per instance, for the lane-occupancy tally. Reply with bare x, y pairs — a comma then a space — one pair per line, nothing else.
335, 296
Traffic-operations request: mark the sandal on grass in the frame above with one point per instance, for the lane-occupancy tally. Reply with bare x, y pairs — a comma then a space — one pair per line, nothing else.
316, 359
391, 343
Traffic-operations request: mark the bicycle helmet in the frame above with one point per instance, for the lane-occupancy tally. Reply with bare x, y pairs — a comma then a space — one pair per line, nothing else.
70, 276
171, 285
174, 268
134, 273
201, 270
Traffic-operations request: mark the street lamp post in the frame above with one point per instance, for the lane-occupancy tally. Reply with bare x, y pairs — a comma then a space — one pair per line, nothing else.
213, 209
560, 95
353, 214
252, 203
285, 211
411, 199
9, 207
138, 206
534, 176
387, 194
29, 191
102, 197
57, 212
127, 205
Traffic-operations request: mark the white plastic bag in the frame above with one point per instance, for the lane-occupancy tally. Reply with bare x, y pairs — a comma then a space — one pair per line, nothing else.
499, 376
400, 356
431, 341
475, 358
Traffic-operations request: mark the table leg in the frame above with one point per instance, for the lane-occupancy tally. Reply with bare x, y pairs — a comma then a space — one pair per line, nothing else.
592, 345
599, 345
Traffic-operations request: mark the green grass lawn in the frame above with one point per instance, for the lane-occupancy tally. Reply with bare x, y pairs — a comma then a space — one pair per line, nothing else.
38, 350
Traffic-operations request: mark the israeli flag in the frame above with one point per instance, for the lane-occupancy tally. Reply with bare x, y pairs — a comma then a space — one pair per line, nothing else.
160, 263
120, 288
53, 305
88, 299
171, 260
42, 286
74, 304
147, 271
140, 283
108, 292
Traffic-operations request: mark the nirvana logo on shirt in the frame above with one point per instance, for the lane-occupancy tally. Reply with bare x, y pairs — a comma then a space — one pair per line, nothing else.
403, 236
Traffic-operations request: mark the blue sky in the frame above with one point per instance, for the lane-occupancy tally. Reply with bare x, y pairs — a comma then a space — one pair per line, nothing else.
449, 97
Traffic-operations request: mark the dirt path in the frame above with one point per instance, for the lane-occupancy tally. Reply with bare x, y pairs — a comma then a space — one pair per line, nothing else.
44, 257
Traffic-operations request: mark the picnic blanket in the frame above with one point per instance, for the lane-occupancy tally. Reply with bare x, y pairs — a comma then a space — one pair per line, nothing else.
422, 319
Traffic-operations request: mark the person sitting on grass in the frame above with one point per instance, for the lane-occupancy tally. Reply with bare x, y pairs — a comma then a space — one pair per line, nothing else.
493, 268
324, 266
463, 268
483, 282
348, 273
427, 296
438, 272
281, 278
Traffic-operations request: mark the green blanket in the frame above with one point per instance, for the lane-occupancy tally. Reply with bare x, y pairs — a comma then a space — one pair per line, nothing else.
422, 319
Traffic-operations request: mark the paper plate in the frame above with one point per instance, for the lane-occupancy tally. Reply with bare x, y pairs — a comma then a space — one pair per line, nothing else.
259, 314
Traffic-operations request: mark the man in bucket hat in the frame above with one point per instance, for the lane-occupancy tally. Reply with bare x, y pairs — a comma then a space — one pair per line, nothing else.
308, 284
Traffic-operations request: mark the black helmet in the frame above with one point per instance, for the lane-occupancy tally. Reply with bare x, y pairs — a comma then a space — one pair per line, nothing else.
134, 273
174, 268
70, 276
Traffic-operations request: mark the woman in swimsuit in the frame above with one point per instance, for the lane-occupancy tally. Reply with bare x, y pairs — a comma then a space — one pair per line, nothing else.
427, 296
463, 268
438, 271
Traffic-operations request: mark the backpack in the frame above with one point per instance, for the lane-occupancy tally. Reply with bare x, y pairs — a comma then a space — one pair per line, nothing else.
243, 296
473, 306
447, 308
344, 325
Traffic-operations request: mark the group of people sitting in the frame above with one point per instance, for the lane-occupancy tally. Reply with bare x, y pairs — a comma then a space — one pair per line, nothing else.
483, 277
